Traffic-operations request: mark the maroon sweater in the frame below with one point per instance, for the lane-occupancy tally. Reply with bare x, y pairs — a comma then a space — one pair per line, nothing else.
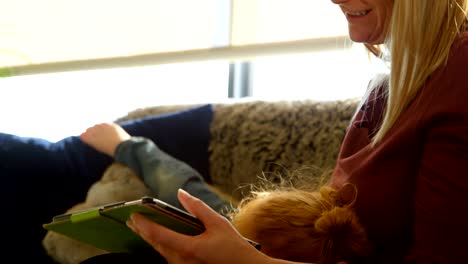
413, 186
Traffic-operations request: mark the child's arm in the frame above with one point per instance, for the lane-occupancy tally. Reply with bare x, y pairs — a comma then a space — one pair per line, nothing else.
162, 173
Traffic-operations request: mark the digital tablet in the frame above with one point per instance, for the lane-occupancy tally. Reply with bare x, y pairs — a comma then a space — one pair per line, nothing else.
105, 227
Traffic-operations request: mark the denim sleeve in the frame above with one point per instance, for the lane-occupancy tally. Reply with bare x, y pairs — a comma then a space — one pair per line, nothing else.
185, 135
164, 174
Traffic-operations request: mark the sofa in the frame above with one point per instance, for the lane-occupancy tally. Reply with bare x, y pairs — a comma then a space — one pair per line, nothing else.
250, 142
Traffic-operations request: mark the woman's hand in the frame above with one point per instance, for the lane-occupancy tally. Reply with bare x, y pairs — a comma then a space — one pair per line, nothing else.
219, 243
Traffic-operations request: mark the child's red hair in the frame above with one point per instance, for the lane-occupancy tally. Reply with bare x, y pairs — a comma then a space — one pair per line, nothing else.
302, 226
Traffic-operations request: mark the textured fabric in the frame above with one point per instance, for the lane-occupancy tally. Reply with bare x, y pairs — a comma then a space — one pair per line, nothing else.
275, 140
413, 186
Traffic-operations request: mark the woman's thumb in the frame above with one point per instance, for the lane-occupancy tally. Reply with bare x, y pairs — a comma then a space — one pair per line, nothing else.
197, 207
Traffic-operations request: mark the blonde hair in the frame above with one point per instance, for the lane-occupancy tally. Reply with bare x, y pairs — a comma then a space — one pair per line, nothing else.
304, 226
421, 33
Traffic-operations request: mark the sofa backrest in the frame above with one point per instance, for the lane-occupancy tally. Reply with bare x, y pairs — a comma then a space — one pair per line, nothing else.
262, 141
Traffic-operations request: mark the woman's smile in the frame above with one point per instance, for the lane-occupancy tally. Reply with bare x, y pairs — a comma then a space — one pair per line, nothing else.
368, 20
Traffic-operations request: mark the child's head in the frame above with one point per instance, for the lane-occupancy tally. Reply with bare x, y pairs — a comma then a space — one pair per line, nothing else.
302, 226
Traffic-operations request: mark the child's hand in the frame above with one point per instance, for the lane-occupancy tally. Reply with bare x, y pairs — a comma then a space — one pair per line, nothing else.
105, 137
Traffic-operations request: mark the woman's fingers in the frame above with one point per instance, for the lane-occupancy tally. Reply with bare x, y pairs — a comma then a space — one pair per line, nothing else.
203, 248
159, 237
154, 233
171, 244
199, 209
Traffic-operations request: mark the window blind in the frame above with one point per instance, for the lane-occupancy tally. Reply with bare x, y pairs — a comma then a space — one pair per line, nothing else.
39, 36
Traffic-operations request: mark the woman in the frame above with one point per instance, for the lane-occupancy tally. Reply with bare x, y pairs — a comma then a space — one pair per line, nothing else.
405, 149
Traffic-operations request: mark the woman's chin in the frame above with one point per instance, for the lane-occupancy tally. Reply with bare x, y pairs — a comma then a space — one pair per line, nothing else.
365, 38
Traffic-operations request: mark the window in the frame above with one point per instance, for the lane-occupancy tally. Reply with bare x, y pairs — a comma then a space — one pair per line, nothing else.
114, 35
43, 31
336, 74
259, 21
56, 105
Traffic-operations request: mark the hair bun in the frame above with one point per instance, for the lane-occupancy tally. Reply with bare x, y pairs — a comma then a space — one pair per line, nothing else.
341, 231
339, 221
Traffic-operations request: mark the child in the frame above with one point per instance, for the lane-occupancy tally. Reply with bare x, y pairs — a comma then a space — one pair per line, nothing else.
303, 226
290, 224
